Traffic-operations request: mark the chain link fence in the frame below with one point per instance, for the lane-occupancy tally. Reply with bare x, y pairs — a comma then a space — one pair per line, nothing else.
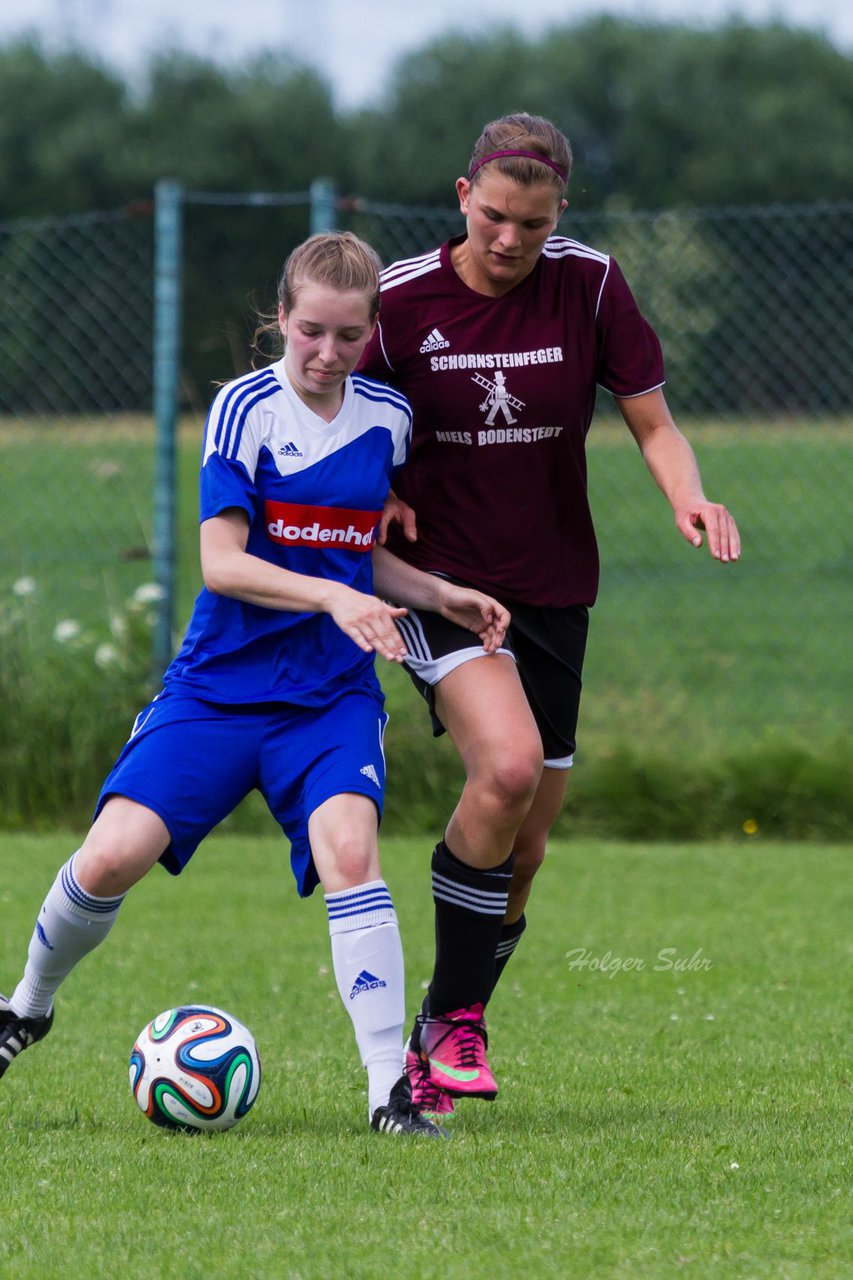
75, 401
752, 306
689, 660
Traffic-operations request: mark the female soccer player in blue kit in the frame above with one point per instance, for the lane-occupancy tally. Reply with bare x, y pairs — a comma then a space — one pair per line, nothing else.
274, 686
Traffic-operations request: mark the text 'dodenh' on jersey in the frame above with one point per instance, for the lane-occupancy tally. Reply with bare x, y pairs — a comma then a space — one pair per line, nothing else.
294, 524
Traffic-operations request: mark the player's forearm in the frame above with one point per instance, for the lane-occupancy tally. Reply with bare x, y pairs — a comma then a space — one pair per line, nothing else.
395, 580
672, 463
245, 577
666, 452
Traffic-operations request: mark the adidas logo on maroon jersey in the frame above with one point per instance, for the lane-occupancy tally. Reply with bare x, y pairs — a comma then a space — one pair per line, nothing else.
433, 342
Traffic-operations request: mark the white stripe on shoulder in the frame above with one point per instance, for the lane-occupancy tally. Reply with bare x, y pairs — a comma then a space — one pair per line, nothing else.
562, 247
409, 269
403, 264
634, 394
377, 390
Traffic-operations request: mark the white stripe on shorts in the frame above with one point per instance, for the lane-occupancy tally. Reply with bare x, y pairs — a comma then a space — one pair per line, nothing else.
431, 669
411, 629
564, 762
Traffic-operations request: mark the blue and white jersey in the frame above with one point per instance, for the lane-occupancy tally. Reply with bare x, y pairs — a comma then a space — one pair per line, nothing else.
313, 492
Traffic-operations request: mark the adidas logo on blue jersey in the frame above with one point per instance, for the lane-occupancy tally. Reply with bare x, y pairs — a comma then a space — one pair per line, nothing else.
369, 772
290, 450
366, 982
434, 342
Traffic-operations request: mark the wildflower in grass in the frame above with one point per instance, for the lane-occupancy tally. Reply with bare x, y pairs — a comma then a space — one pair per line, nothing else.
67, 629
148, 593
106, 655
118, 625
24, 587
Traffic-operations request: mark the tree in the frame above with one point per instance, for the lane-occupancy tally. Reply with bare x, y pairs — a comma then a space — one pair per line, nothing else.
660, 115
270, 127
61, 127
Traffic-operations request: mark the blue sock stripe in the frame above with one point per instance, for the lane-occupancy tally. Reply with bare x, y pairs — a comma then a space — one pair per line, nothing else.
353, 899
361, 901
84, 901
378, 886
362, 909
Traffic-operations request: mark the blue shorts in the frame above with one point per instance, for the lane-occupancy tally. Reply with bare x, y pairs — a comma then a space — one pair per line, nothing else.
192, 762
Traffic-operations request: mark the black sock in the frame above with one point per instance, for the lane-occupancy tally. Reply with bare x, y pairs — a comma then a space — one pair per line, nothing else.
470, 905
509, 940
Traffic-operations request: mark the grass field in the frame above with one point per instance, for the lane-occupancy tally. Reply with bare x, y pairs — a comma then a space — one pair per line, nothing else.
713, 695
672, 1041
703, 657
684, 655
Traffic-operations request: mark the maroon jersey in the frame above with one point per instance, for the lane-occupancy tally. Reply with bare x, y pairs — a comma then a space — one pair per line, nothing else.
503, 392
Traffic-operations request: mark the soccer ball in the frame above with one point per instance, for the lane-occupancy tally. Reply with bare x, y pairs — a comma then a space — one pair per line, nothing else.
195, 1067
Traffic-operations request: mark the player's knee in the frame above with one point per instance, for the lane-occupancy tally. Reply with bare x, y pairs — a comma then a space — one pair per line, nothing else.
354, 861
513, 777
101, 871
107, 867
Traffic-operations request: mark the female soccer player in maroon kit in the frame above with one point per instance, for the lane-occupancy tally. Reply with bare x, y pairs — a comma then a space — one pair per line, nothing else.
499, 340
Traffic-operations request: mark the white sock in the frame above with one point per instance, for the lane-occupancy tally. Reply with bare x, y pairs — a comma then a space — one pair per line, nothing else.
70, 924
368, 960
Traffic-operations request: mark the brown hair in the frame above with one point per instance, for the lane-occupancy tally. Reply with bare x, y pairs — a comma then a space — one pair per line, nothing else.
523, 132
335, 258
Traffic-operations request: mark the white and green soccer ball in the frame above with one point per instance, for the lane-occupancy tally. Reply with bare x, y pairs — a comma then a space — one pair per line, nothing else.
195, 1068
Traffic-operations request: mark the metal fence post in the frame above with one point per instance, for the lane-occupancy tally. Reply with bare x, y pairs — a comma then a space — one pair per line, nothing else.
323, 206
168, 304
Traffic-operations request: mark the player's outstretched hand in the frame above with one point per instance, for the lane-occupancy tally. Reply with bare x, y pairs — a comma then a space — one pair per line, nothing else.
396, 511
476, 612
718, 524
369, 622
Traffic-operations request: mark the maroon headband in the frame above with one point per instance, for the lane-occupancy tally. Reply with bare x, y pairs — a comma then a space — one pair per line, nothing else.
561, 172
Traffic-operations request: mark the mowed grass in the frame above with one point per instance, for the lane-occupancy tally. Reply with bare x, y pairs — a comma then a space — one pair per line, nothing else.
672, 1040
688, 657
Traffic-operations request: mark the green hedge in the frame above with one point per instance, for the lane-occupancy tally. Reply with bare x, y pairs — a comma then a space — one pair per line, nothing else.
67, 705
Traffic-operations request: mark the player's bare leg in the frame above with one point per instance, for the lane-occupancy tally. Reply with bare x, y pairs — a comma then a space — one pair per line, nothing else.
484, 709
125, 841
532, 838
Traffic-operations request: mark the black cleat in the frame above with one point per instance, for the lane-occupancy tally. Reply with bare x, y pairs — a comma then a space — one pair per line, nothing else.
17, 1034
402, 1116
